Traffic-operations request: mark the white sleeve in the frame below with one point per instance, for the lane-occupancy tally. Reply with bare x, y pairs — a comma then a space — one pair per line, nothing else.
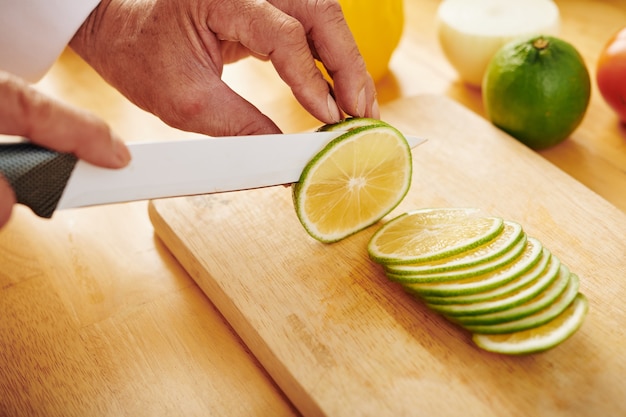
33, 33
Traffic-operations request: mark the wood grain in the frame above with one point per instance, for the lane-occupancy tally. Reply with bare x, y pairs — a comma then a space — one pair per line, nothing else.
341, 340
98, 318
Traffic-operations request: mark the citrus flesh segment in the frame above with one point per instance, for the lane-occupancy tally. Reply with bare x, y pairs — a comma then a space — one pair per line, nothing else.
547, 265
530, 256
538, 318
510, 236
431, 234
353, 182
538, 338
461, 273
541, 301
537, 284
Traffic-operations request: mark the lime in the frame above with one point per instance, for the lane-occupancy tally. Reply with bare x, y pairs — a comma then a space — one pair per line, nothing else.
430, 234
528, 259
543, 300
537, 339
536, 280
460, 273
350, 123
545, 315
511, 236
537, 89
547, 264
353, 182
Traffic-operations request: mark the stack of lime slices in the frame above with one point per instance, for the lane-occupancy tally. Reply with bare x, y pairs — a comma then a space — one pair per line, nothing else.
485, 274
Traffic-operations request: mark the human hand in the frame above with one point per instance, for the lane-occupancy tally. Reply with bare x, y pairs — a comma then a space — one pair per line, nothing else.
167, 57
26, 112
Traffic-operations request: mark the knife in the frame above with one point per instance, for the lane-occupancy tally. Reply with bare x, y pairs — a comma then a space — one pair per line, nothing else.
46, 180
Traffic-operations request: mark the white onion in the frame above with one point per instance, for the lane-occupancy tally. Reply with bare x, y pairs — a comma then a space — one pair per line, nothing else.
471, 31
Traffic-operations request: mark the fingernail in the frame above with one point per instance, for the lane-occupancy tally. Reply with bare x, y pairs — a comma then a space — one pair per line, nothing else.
360, 103
375, 110
120, 150
333, 109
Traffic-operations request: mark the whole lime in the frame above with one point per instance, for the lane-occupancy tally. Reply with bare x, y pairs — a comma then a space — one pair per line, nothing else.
537, 89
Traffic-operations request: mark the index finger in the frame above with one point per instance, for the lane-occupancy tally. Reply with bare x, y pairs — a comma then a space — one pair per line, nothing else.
27, 112
268, 31
334, 43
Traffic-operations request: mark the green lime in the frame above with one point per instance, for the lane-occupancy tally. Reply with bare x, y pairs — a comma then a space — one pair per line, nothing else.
536, 281
556, 307
537, 89
461, 273
431, 234
543, 300
511, 237
531, 255
353, 182
540, 338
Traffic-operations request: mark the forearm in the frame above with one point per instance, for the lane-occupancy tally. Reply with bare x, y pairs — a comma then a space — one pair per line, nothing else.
33, 33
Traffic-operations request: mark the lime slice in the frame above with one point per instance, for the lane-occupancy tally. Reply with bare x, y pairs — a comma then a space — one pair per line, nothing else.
531, 255
461, 273
350, 123
431, 234
547, 264
545, 315
539, 281
543, 300
511, 235
539, 338
353, 182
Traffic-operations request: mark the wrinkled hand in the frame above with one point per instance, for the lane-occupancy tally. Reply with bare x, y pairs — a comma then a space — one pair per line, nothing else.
167, 57
46, 122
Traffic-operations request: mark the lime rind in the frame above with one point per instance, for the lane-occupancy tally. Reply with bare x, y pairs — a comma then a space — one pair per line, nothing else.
540, 338
543, 300
436, 235
503, 243
551, 311
547, 265
539, 282
333, 210
351, 123
531, 255
462, 273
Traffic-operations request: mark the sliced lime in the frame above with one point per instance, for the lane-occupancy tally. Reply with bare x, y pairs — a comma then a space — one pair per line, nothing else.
538, 338
353, 182
537, 319
430, 234
547, 264
540, 278
510, 236
462, 273
531, 255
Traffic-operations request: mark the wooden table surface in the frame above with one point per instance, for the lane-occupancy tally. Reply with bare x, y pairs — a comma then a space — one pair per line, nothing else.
96, 316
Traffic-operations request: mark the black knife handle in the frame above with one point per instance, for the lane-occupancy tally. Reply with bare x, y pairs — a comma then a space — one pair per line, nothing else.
37, 175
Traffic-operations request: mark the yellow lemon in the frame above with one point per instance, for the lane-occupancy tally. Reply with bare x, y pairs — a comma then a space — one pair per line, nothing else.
377, 27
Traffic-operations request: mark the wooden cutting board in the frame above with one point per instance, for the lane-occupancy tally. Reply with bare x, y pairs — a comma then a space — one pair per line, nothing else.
341, 340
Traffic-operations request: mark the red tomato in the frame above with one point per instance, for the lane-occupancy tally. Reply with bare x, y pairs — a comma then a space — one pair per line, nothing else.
611, 73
